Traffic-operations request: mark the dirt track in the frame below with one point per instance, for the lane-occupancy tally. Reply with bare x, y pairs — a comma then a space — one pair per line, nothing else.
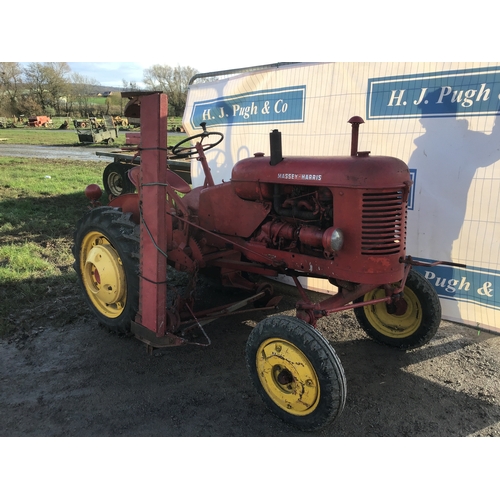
77, 379
80, 153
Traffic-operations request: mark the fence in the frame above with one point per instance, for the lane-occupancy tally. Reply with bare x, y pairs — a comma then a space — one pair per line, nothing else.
440, 118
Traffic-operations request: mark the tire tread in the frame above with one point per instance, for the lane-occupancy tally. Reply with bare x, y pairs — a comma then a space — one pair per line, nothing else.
324, 358
122, 232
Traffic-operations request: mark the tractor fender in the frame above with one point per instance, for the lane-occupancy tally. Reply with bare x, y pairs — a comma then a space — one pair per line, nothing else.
128, 203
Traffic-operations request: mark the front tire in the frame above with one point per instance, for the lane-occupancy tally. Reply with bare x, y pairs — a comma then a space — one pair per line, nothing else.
106, 252
407, 327
296, 372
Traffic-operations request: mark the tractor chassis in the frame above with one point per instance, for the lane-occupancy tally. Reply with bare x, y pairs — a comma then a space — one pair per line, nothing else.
197, 321
158, 326
123, 252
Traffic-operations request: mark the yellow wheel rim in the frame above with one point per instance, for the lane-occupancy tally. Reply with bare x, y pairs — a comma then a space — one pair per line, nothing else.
103, 275
288, 377
394, 325
115, 183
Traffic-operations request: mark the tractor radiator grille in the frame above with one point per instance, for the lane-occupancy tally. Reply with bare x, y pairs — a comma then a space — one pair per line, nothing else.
383, 229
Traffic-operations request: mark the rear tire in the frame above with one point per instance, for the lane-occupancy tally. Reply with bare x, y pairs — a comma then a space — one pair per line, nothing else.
115, 179
412, 328
296, 372
106, 252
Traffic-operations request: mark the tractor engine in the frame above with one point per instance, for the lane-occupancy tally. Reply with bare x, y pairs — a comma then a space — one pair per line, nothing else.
301, 221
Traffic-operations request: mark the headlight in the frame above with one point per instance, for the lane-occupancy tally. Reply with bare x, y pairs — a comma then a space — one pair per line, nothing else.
333, 239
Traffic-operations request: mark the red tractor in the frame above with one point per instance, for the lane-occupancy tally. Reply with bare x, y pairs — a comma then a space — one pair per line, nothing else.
342, 219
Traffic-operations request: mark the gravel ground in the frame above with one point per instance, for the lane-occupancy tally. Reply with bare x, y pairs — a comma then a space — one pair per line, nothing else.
77, 379
80, 153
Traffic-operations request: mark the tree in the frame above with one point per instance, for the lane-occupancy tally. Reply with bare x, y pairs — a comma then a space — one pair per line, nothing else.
129, 86
28, 106
11, 79
173, 82
48, 83
115, 104
82, 90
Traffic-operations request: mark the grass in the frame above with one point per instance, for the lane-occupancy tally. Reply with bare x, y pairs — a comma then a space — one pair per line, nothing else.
40, 202
48, 137
37, 219
55, 137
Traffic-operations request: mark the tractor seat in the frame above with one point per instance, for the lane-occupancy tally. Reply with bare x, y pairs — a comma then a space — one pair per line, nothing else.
173, 179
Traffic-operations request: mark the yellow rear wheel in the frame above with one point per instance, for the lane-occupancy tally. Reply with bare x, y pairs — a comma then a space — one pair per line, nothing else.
102, 274
106, 251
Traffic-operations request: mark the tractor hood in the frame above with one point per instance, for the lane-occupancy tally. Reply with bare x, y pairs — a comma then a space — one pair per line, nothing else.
339, 171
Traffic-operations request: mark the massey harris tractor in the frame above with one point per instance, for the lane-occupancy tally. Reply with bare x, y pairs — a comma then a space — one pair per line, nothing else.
342, 219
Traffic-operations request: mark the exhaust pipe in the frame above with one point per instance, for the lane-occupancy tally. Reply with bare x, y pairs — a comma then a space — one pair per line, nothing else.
276, 151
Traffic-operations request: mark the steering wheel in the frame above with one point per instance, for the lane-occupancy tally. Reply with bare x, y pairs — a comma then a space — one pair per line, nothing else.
184, 152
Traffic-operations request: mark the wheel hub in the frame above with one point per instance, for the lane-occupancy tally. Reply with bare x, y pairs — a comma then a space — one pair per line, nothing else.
399, 319
284, 376
398, 306
115, 182
288, 376
105, 278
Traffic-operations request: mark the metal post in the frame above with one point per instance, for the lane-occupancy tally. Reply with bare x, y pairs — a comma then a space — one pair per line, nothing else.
153, 228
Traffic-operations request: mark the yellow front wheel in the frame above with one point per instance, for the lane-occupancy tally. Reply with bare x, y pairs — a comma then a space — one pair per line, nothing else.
411, 321
296, 372
288, 376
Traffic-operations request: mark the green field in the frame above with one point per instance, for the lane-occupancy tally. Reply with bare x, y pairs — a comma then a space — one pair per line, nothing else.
40, 203
46, 137
55, 137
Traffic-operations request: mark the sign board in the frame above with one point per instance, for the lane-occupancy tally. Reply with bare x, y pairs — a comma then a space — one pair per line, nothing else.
439, 118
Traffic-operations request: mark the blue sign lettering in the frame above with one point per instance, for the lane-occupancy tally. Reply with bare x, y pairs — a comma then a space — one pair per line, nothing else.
283, 105
452, 93
474, 284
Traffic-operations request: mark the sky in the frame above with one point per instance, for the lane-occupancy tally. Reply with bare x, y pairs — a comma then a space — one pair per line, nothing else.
112, 74
220, 36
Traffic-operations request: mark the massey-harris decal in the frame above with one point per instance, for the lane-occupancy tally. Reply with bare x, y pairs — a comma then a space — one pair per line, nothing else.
300, 177
451, 93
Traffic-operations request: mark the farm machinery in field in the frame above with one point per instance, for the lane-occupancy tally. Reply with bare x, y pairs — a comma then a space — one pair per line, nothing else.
94, 131
342, 219
39, 121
